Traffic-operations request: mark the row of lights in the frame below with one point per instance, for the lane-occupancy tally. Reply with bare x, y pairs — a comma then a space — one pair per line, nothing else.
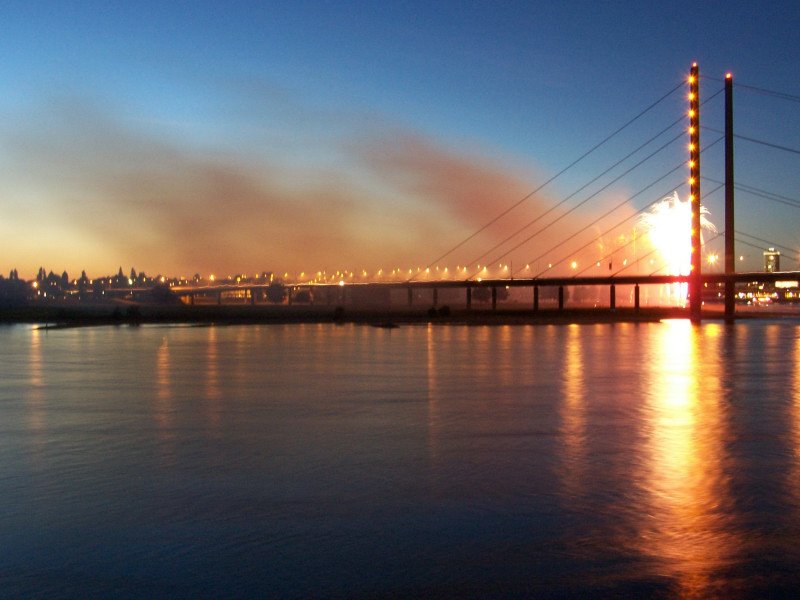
481, 271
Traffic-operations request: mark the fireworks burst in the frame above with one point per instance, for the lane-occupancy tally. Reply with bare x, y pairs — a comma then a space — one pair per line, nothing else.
669, 225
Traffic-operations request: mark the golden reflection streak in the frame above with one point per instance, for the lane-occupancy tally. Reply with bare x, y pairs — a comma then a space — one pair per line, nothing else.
34, 396
794, 477
772, 347
573, 413
503, 360
686, 526
163, 409
434, 416
212, 387
244, 339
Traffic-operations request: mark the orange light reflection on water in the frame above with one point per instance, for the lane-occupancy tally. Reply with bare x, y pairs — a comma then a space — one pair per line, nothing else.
34, 394
213, 391
686, 524
163, 409
794, 475
434, 421
573, 413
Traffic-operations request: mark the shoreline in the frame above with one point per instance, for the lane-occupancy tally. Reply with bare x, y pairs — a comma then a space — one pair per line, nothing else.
55, 316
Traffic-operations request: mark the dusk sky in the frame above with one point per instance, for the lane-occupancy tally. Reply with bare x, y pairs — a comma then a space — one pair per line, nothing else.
220, 137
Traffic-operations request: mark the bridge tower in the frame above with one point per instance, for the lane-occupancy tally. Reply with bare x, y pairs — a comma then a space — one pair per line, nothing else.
730, 255
695, 284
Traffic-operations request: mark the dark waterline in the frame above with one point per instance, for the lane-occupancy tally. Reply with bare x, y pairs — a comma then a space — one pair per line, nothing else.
320, 460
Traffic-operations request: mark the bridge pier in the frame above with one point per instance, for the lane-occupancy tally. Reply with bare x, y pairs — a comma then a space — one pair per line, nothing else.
410, 297
613, 297
636, 297
252, 296
536, 298
435, 297
561, 297
219, 298
469, 298
494, 298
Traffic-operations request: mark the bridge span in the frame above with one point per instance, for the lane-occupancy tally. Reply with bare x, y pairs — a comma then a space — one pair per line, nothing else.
378, 294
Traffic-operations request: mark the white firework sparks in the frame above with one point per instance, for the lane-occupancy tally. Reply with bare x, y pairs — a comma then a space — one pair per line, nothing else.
669, 226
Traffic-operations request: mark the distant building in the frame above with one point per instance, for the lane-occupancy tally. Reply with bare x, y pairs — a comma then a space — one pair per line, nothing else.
772, 260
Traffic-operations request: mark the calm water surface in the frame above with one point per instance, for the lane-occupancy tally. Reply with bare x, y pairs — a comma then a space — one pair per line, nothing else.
316, 460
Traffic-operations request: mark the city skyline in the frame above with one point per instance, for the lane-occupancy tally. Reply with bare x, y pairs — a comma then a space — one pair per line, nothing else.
189, 139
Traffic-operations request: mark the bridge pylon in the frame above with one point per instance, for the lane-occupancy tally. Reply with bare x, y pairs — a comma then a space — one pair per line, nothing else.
695, 283
730, 255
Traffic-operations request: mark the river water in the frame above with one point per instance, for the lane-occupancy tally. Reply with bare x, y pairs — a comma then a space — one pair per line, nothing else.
655, 459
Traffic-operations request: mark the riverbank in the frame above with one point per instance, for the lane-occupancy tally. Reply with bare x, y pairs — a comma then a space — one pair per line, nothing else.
74, 315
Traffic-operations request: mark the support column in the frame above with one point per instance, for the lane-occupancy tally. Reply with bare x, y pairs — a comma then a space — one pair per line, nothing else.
410, 297
435, 297
561, 297
469, 298
695, 284
636, 297
536, 298
730, 253
494, 298
613, 297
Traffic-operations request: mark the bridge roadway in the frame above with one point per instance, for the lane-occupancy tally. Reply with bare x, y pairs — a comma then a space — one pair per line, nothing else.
611, 281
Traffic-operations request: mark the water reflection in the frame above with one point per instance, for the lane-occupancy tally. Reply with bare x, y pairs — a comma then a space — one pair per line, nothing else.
686, 523
434, 416
212, 365
794, 422
212, 389
625, 460
163, 409
34, 391
573, 413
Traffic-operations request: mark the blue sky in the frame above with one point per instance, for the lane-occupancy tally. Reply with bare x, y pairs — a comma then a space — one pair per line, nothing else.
187, 137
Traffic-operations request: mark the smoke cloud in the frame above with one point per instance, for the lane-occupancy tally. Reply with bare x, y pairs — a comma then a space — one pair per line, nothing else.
87, 190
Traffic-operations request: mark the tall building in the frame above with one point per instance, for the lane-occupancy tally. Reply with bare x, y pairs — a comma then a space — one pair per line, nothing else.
772, 260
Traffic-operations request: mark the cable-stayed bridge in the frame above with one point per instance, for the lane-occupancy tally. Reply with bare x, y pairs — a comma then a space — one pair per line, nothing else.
628, 229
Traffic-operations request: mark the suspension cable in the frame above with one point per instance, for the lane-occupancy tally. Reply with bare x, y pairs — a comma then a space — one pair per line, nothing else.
755, 141
585, 200
622, 203
619, 224
606, 186
551, 179
573, 194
